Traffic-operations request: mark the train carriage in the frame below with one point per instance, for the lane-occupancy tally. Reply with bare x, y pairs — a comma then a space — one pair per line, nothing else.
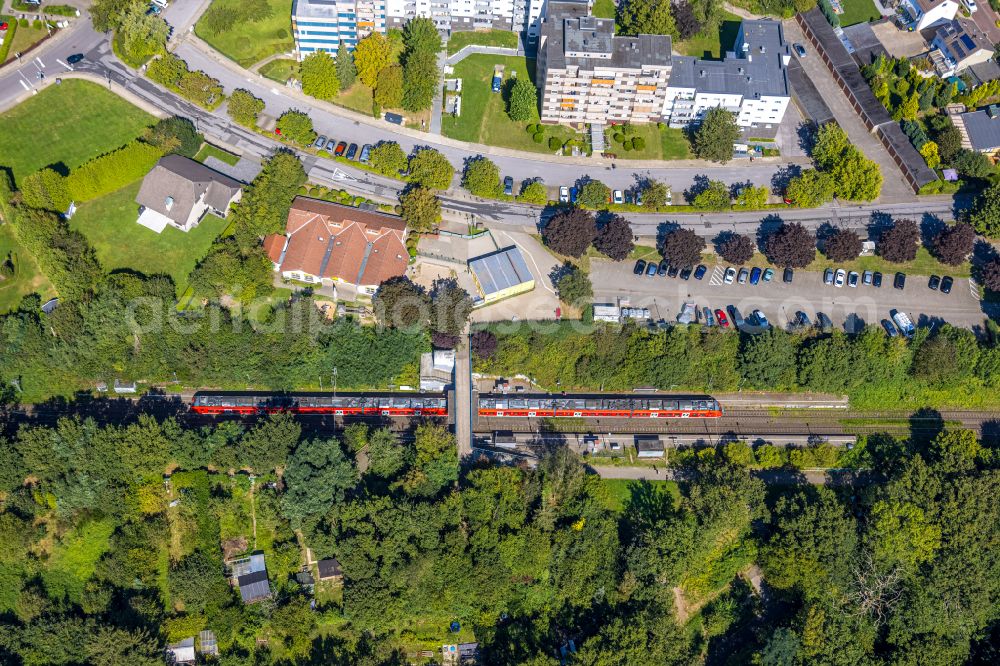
600, 406
341, 404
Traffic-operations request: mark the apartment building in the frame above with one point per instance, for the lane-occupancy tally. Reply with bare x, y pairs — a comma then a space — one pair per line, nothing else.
591, 75
459, 15
320, 25
751, 81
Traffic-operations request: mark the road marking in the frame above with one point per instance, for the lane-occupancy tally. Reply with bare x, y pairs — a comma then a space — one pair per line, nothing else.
39, 61
64, 64
533, 263
717, 275
24, 85
973, 289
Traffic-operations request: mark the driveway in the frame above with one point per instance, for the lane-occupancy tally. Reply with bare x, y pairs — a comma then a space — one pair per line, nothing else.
780, 302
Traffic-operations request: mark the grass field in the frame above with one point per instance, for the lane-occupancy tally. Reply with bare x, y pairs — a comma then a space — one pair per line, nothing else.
604, 9
249, 42
74, 558
712, 44
280, 70
621, 491
28, 278
24, 37
668, 143
484, 118
858, 11
109, 224
208, 150
924, 264
502, 38
67, 125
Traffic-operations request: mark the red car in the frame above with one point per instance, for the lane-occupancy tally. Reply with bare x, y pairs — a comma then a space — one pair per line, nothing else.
341, 147
720, 316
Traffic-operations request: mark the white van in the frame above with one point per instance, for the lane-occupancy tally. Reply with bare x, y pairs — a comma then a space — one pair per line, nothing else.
970, 5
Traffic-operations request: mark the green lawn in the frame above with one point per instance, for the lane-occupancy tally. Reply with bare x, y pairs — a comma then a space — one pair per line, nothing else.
358, 97
604, 9
208, 150
712, 44
924, 264
27, 279
502, 38
484, 118
67, 125
620, 491
858, 11
668, 143
25, 37
74, 558
280, 70
249, 42
109, 223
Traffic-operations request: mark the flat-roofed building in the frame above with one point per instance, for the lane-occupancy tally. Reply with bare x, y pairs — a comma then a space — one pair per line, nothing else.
320, 25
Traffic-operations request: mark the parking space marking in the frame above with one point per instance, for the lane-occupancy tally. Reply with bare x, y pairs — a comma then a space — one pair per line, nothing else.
973, 289
717, 274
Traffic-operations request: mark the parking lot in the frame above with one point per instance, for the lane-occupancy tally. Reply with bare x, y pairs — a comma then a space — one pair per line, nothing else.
845, 306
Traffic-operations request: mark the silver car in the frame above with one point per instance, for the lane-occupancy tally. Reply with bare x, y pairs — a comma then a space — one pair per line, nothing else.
730, 275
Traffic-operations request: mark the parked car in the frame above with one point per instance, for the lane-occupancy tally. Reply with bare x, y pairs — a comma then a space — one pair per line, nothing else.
352, 150
75, 58
734, 314
699, 272
900, 281
754, 275
877, 280
651, 269
934, 282
730, 275
573, 193
852, 279
823, 322
638, 197
890, 328
341, 147
721, 318
673, 271
744, 274
802, 319
640, 267
330, 145
366, 151
866, 277
394, 118
828, 276
664, 267
320, 141
686, 273
788, 275
618, 197
768, 275
800, 50
839, 277
759, 319
508, 186
563, 194
946, 283
709, 317
971, 6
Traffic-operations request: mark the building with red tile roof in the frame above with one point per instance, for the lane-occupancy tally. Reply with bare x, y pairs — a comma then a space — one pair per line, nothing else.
330, 242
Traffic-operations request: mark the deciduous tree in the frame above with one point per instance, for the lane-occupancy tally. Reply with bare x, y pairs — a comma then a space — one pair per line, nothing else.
522, 100
953, 245
985, 212
244, 107
715, 196
842, 245
387, 158
654, 194
899, 242
400, 303
811, 188
991, 275
714, 138
615, 239
792, 245
317, 476
297, 127
421, 80
646, 17
682, 248
752, 197
371, 56
574, 287
735, 248
481, 177
430, 168
389, 87
570, 232
594, 194
533, 192
451, 306
687, 21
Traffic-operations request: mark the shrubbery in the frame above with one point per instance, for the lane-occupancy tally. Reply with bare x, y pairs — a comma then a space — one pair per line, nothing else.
196, 86
113, 171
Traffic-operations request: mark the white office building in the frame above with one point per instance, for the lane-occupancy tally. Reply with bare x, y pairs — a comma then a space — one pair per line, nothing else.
320, 25
751, 81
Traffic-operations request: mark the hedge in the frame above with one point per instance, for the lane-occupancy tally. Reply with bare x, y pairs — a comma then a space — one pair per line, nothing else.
9, 39
112, 171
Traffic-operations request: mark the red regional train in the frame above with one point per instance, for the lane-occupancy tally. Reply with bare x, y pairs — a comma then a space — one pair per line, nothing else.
596, 405
346, 404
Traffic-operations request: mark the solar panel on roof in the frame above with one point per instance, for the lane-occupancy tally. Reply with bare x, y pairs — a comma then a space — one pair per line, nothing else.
967, 41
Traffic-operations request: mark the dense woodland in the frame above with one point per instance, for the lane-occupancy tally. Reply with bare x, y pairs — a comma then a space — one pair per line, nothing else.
944, 366
103, 563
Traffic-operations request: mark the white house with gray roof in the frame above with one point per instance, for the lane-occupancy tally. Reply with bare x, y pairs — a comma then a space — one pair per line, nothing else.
751, 81
982, 129
179, 192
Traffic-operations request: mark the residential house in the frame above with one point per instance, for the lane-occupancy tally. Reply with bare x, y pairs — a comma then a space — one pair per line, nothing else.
958, 45
982, 129
326, 243
501, 274
179, 192
751, 81
927, 13
523, 16
329, 569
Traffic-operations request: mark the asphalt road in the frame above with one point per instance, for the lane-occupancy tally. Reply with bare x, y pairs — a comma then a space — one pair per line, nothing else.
780, 302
